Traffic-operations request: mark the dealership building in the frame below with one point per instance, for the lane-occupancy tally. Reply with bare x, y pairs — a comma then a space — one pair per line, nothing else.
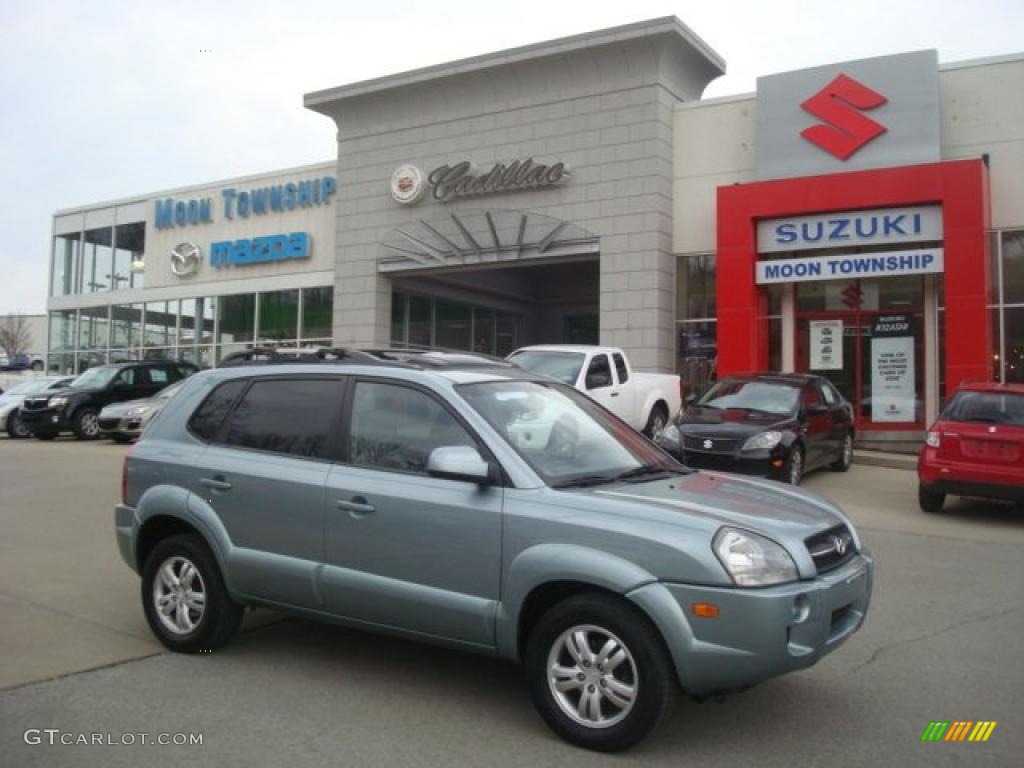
863, 220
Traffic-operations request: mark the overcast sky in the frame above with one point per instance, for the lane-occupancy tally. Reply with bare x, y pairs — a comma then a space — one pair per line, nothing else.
105, 99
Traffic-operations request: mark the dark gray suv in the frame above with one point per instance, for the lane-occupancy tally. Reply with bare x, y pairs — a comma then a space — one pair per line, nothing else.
490, 510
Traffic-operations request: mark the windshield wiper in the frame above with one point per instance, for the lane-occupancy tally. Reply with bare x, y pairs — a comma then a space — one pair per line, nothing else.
585, 480
651, 469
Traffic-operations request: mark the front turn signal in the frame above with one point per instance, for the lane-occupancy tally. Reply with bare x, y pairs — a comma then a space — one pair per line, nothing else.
704, 610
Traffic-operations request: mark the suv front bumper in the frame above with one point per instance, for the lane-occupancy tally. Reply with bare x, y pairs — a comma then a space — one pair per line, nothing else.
45, 420
759, 632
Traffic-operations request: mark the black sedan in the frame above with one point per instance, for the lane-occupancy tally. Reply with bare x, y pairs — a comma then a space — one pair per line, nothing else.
769, 424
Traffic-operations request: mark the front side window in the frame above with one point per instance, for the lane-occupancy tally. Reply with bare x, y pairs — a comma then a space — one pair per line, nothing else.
562, 434
293, 416
396, 427
126, 378
599, 373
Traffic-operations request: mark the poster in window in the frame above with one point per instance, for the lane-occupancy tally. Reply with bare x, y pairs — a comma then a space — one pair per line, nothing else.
826, 345
893, 397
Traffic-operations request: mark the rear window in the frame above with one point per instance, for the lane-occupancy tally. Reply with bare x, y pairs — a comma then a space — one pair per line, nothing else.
986, 408
620, 368
292, 416
206, 421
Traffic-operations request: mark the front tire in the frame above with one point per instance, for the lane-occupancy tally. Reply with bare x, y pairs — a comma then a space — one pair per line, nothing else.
183, 595
86, 424
16, 427
930, 501
599, 673
845, 458
793, 472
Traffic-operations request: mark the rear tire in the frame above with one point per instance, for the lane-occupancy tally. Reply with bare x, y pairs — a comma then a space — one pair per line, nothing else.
930, 501
197, 613
85, 424
628, 683
657, 421
16, 427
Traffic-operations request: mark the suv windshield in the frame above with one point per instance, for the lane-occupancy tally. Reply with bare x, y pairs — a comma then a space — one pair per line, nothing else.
564, 436
769, 397
561, 366
95, 378
987, 408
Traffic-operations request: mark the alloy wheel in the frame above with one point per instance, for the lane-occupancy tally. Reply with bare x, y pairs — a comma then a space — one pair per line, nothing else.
657, 425
18, 427
592, 676
179, 595
90, 424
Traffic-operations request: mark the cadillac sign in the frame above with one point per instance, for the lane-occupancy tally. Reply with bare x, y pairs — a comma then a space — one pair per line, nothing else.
447, 182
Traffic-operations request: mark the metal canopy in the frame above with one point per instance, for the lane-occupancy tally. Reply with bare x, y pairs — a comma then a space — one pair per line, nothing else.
472, 237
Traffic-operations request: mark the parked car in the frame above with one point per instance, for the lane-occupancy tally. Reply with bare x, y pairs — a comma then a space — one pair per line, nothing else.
768, 424
21, 363
10, 402
975, 448
77, 407
645, 401
124, 422
487, 509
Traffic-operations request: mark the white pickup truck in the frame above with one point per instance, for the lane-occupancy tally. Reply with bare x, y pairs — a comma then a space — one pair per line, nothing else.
646, 401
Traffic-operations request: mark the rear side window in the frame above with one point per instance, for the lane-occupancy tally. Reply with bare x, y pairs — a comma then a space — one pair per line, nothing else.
620, 368
206, 421
292, 416
158, 376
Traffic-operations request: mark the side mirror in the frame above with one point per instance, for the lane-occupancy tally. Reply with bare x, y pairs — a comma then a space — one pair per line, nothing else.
690, 399
460, 462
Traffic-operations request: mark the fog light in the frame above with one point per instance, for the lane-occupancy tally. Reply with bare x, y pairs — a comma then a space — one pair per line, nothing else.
704, 610
801, 608
777, 463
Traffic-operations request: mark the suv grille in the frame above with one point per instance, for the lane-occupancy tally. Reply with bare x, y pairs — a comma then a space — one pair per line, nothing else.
830, 549
709, 444
34, 403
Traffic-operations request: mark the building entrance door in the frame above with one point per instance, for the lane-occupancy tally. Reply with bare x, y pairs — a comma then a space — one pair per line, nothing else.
867, 338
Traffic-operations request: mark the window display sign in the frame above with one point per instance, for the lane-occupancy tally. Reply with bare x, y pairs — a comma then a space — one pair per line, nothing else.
826, 345
893, 397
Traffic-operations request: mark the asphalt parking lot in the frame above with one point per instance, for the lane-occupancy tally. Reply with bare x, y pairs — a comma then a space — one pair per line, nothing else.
942, 642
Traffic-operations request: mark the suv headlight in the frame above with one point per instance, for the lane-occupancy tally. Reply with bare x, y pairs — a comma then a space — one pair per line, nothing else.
58, 402
140, 410
752, 560
763, 441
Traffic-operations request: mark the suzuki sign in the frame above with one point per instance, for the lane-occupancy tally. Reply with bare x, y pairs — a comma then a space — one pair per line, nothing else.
871, 113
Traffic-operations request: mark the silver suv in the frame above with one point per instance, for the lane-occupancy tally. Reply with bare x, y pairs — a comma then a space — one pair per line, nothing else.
490, 510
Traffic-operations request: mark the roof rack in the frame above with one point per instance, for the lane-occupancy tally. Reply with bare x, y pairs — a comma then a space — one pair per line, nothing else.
404, 357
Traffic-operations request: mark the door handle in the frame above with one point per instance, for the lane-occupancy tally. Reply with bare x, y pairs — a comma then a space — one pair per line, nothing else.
357, 506
216, 483
615, 394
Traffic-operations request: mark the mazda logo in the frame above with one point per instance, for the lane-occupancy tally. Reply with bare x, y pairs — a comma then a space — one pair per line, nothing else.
185, 258
708, 443
839, 544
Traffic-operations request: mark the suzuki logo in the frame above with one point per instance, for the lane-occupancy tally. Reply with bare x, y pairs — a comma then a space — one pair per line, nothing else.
839, 106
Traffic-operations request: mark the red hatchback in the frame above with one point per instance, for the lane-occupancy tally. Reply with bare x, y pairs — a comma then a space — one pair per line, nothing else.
976, 448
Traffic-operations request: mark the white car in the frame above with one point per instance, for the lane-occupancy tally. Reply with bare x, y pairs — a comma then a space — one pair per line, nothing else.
646, 401
11, 400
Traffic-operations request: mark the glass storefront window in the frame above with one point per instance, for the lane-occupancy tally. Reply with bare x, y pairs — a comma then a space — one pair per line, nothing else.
483, 331
236, 318
1014, 346
125, 326
506, 334
695, 287
93, 328
1013, 268
398, 302
697, 355
161, 319
419, 321
452, 328
97, 259
317, 312
62, 331
279, 315
129, 245
66, 255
